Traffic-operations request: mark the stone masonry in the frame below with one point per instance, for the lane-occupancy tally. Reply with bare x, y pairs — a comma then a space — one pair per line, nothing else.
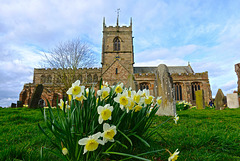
117, 65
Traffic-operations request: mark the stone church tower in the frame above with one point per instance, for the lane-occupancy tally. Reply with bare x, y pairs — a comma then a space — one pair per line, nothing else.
117, 54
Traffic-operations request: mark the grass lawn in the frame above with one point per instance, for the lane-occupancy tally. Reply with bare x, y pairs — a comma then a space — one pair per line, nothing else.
199, 135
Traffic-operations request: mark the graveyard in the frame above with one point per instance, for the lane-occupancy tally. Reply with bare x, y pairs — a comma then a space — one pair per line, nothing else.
205, 134
119, 80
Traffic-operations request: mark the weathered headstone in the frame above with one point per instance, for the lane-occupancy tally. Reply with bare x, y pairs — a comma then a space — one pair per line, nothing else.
219, 100
19, 104
13, 105
165, 89
36, 96
232, 100
200, 102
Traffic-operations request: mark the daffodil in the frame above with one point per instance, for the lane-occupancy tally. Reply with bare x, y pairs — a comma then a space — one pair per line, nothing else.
61, 104
130, 105
137, 108
82, 97
119, 88
104, 84
159, 101
176, 118
108, 132
87, 92
76, 90
105, 113
91, 142
104, 92
123, 99
64, 151
137, 97
173, 156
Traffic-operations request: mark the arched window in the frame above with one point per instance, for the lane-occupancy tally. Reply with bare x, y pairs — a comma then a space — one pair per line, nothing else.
43, 79
116, 44
95, 78
144, 85
195, 86
178, 91
89, 78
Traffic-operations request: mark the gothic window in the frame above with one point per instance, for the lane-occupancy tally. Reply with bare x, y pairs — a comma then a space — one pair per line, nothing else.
178, 91
116, 44
95, 78
89, 78
43, 79
144, 85
116, 70
195, 87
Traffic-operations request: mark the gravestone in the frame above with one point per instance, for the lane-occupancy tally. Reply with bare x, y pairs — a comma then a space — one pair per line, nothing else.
220, 100
19, 104
165, 90
13, 105
232, 100
200, 102
36, 96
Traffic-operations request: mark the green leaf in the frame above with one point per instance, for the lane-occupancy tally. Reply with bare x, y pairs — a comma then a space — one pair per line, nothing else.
129, 140
127, 155
142, 140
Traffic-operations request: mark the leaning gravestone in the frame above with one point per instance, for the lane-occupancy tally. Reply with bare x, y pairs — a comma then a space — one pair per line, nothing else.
232, 100
164, 89
219, 100
36, 96
200, 103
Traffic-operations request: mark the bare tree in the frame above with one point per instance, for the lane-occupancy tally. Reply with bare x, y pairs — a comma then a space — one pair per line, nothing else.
67, 57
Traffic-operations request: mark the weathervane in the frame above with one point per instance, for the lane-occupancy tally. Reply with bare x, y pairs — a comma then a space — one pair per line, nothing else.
118, 11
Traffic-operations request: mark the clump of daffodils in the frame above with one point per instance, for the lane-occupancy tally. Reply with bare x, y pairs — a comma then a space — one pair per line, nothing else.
99, 121
183, 105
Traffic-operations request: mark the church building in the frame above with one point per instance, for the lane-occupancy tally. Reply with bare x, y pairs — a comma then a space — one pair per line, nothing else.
118, 66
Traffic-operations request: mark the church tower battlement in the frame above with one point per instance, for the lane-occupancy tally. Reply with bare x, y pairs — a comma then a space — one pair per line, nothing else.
117, 45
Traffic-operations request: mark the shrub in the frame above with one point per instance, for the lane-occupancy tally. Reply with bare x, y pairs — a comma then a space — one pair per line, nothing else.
183, 105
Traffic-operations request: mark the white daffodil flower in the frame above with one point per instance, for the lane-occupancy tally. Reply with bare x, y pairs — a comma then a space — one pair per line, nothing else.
137, 108
173, 156
119, 88
130, 105
104, 92
137, 97
105, 113
123, 99
108, 132
61, 104
91, 142
76, 90
176, 118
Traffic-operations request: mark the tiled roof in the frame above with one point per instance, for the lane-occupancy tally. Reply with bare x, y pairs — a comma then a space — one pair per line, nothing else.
172, 69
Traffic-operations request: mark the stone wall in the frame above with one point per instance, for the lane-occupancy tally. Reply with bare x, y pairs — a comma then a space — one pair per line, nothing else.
187, 80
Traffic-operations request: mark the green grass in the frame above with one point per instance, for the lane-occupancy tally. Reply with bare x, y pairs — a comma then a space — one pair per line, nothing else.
199, 135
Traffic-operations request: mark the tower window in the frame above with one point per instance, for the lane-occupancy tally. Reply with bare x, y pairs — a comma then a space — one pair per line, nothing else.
116, 70
116, 44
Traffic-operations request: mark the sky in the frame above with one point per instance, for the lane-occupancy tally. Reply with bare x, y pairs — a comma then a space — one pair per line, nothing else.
205, 33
